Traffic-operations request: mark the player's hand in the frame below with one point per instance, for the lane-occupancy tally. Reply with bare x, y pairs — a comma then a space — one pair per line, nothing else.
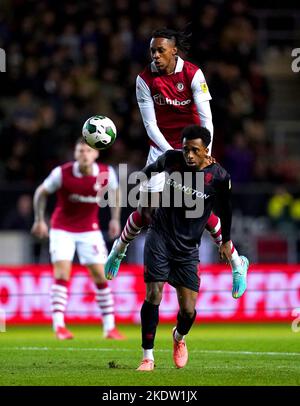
114, 229
225, 252
40, 229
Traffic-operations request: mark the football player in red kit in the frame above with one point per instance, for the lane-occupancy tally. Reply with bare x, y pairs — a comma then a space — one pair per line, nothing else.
171, 93
75, 227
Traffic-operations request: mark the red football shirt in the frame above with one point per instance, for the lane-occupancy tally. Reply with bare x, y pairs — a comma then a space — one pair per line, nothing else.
174, 98
76, 207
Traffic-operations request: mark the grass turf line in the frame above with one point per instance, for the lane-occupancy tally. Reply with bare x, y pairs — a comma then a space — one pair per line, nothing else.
220, 354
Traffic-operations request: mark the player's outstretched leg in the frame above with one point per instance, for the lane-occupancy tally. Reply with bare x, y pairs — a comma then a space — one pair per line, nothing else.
105, 301
239, 264
180, 351
149, 322
133, 227
239, 278
59, 297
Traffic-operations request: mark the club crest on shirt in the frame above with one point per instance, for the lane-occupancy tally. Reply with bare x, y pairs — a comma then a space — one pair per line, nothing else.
180, 86
208, 178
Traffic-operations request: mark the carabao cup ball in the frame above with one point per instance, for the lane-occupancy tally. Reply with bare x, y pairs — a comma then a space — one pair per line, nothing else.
99, 132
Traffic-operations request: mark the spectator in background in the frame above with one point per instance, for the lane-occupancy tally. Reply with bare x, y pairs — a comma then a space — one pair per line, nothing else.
70, 63
278, 209
238, 159
295, 212
21, 216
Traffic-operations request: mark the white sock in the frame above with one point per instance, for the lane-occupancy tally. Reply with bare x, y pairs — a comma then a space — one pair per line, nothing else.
177, 336
235, 259
58, 298
58, 320
148, 354
121, 246
105, 301
108, 322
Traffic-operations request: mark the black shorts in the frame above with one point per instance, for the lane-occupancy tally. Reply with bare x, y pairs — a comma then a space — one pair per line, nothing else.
161, 264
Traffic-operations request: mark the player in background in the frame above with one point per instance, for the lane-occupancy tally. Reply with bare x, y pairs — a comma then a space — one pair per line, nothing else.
75, 227
171, 250
171, 93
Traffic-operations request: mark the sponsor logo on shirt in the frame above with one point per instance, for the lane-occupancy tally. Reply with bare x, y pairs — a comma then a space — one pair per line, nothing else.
187, 189
161, 101
75, 198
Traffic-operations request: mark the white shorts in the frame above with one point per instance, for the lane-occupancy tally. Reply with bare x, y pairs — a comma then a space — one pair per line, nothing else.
157, 182
90, 246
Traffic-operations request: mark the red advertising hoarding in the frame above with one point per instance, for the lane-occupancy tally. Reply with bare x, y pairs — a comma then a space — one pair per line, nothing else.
273, 292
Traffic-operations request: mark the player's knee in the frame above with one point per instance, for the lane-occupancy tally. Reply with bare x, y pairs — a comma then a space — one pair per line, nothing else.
61, 273
187, 312
154, 294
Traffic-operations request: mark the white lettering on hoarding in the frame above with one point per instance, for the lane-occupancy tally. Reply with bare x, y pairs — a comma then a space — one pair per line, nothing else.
254, 297
277, 297
35, 295
79, 306
10, 303
126, 303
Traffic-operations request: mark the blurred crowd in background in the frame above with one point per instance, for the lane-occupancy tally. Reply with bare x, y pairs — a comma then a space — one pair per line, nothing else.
71, 59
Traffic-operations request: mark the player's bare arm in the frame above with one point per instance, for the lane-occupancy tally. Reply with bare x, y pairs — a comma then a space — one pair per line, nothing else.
40, 227
225, 214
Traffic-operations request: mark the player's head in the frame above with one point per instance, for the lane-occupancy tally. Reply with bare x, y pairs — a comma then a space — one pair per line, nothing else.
195, 142
84, 154
164, 46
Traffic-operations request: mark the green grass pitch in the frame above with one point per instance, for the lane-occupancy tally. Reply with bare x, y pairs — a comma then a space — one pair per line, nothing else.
219, 354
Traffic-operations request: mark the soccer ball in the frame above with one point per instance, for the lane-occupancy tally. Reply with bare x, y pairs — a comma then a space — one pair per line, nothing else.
99, 132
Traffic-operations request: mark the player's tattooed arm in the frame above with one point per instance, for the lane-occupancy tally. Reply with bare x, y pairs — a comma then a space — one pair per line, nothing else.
39, 203
40, 228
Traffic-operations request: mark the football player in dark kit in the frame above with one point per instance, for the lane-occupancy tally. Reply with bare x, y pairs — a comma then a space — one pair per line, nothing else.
171, 251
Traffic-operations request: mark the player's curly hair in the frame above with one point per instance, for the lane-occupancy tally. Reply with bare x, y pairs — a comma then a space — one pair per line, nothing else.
192, 132
180, 38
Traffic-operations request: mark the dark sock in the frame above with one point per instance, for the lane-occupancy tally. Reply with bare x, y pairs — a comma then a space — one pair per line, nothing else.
149, 321
184, 323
